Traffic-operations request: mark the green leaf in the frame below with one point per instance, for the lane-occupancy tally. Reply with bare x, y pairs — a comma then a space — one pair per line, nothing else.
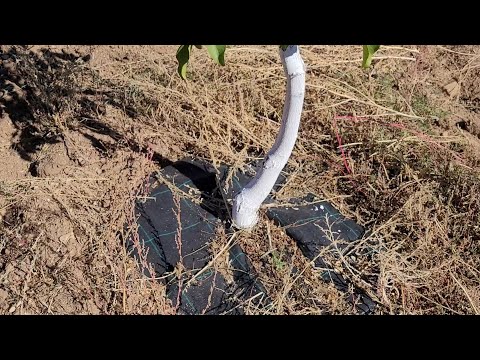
217, 53
368, 51
183, 55
283, 47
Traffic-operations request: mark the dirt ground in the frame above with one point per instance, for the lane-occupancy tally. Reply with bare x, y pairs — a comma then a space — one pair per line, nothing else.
77, 125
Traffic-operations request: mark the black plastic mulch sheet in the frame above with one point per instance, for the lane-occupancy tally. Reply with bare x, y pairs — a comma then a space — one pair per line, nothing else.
162, 241
314, 227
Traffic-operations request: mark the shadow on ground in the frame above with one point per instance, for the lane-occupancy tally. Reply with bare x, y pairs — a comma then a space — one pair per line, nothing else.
44, 91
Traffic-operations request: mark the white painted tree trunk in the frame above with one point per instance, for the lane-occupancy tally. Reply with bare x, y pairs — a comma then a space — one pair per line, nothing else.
248, 201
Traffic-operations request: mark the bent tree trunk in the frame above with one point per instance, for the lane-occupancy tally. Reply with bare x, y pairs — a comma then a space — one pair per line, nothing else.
248, 201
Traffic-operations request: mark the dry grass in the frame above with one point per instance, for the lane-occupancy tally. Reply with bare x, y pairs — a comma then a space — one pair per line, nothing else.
407, 169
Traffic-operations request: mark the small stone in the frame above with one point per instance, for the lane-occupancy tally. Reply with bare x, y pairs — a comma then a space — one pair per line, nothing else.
3, 295
67, 237
452, 89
